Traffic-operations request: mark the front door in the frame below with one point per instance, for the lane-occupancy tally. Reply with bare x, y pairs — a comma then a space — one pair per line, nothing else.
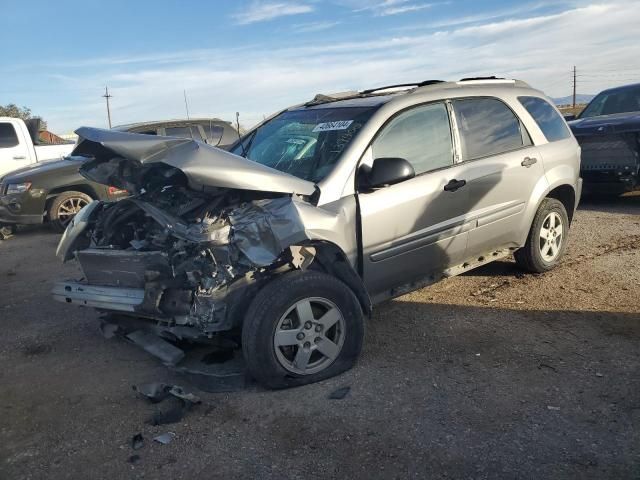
416, 228
13, 151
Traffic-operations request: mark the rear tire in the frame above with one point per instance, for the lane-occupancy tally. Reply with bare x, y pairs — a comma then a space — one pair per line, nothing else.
302, 327
547, 240
64, 207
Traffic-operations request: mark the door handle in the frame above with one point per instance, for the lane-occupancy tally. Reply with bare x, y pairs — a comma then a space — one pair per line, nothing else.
454, 185
528, 161
19, 157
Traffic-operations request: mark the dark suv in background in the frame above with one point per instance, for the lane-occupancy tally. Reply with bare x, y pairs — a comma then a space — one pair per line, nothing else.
608, 131
54, 191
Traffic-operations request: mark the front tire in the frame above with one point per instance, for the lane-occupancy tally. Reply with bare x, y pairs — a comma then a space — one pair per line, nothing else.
302, 327
547, 240
64, 207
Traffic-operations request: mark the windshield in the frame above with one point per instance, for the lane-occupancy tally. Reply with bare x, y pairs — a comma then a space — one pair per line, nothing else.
305, 143
616, 101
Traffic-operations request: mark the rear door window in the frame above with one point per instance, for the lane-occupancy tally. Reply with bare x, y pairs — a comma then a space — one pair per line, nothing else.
549, 121
422, 136
487, 127
8, 137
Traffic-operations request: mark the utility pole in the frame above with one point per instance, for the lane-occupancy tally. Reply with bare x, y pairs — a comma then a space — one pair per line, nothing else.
574, 87
107, 97
186, 104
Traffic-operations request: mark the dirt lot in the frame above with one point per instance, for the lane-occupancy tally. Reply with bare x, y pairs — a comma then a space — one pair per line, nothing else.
493, 374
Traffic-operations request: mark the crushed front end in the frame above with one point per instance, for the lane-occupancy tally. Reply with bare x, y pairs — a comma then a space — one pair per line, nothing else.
182, 252
178, 257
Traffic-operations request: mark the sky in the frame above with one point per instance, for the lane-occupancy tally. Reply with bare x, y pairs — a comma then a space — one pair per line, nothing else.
258, 56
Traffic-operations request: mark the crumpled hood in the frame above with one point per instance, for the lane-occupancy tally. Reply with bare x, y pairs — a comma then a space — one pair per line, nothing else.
203, 165
603, 124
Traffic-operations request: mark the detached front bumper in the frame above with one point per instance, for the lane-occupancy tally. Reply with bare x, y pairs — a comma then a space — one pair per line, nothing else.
107, 298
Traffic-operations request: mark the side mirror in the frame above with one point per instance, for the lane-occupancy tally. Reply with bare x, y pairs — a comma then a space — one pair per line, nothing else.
569, 116
385, 171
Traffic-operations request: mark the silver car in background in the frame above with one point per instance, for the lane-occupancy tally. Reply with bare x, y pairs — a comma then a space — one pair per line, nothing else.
325, 209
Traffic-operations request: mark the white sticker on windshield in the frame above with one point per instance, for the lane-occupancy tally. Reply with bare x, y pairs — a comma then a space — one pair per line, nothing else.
328, 126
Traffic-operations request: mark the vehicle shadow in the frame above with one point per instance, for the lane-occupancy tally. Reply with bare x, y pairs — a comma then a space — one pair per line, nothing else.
628, 203
499, 268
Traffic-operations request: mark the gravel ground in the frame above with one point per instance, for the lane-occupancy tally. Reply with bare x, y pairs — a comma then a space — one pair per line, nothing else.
493, 374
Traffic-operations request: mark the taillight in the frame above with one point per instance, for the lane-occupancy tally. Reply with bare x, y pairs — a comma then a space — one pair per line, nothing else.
116, 191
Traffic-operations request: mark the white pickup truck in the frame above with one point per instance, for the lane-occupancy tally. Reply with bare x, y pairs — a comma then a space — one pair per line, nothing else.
19, 146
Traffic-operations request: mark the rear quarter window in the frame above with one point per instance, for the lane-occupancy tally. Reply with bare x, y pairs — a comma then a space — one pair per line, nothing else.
8, 137
552, 125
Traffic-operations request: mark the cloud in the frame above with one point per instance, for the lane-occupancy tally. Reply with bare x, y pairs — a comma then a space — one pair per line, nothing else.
264, 11
393, 7
257, 80
313, 26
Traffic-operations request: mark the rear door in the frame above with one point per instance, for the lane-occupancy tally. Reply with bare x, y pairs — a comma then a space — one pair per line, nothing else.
14, 151
501, 168
416, 228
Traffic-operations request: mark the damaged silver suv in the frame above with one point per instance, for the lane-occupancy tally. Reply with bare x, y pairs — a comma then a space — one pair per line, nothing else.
286, 241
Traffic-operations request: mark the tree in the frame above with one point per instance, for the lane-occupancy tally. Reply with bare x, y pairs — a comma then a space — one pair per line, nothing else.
12, 110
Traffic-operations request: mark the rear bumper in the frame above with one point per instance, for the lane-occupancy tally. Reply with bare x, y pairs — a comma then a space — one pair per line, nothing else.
107, 298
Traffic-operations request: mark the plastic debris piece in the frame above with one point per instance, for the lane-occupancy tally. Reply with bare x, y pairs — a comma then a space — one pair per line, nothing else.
340, 393
157, 347
165, 438
137, 441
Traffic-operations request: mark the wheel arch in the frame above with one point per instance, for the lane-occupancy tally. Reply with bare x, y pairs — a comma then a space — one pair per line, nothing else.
565, 194
82, 188
561, 190
331, 259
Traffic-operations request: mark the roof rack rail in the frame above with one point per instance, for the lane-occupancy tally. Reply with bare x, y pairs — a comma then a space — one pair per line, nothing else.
401, 85
492, 77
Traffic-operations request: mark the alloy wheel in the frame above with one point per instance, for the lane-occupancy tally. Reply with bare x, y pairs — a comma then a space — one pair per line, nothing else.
309, 336
69, 208
551, 237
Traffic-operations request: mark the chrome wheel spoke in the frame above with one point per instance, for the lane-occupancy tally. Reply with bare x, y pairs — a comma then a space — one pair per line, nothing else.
285, 338
303, 309
328, 348
329, 319
302, 358
544, 232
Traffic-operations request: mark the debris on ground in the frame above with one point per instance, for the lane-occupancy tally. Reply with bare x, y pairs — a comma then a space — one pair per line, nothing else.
165, 438
550, 407
109, 330
340, 393
6, 232
157, 392
156, 346
134, 459
137, 441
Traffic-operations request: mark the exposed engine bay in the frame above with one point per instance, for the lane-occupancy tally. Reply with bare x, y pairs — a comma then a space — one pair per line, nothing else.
188, 251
